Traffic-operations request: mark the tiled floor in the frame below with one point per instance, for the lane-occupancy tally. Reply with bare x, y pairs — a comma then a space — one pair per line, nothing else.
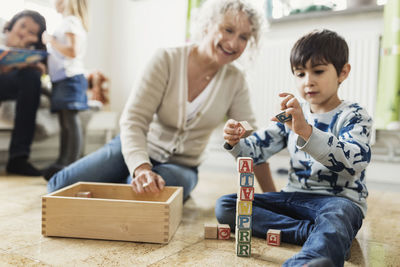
21, 242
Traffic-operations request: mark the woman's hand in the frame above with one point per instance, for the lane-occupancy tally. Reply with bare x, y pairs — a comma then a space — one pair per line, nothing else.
232, 132
146, 180
298, 123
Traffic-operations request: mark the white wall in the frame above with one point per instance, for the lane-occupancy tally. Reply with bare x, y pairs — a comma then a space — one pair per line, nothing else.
270, 72
125, 33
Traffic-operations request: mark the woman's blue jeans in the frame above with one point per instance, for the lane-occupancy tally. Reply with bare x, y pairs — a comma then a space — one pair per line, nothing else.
324, 225
107, 165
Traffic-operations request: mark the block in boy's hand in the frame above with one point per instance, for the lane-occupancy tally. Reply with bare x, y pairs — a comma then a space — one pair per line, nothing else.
282, 117
245, 129
210, 231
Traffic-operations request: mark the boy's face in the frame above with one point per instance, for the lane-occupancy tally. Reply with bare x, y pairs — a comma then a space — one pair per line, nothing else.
318, 85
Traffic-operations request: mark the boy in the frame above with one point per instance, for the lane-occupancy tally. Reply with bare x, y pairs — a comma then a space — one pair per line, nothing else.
324, 202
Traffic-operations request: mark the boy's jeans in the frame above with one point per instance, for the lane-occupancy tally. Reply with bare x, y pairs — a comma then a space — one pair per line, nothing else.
107, 165
324, 225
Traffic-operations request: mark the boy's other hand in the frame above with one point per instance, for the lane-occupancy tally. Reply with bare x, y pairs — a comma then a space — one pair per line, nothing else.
232, 132
298, 123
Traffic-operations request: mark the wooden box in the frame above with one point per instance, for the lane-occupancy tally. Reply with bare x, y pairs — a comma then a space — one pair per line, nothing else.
114, 212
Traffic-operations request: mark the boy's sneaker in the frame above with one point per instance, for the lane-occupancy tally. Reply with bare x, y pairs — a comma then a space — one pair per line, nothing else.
21, 166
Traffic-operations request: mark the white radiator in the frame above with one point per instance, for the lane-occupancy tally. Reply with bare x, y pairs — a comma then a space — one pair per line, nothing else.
270, 74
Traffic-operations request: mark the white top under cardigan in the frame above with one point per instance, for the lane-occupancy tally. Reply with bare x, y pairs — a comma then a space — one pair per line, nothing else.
154, 123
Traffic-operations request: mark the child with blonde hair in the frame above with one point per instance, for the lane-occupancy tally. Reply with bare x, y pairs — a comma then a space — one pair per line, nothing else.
67, 48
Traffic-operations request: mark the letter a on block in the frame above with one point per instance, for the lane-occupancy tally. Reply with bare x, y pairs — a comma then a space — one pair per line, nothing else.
246, 193
245, 164
244, 207
246, 179
274, 237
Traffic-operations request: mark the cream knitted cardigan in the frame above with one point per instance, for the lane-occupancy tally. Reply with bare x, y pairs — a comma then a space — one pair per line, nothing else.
153, 122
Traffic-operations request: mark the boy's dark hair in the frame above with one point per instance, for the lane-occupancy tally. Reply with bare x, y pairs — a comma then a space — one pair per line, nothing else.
37, 17
320, 46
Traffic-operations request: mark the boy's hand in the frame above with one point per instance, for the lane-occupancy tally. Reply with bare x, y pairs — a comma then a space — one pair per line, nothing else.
232, 132
146, 180
298, 123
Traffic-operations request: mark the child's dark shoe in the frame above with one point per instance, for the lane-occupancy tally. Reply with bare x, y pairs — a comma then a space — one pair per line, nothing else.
21, 166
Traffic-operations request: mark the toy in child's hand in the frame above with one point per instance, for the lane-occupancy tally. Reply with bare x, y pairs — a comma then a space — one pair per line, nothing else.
245, 129
282, 117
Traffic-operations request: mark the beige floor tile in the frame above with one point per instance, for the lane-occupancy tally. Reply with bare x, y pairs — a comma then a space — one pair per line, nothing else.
12, 260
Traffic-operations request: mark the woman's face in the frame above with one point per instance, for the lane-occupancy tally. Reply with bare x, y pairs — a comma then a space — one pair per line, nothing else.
24, 33
229, 38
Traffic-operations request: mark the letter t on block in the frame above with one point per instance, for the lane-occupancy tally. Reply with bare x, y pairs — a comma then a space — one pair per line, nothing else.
245, 164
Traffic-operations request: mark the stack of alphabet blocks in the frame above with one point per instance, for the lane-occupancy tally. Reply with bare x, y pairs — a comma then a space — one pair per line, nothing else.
244, 206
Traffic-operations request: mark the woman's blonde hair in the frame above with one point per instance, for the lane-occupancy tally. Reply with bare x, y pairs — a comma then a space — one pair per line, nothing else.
212, 12
78, 8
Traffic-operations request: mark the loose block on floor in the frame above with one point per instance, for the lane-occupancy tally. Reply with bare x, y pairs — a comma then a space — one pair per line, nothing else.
115, 212
210, 231
84, 194
224, 231
274, 237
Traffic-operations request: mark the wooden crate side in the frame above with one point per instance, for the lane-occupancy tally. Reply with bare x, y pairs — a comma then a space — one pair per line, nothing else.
106, 219
175, 208
68, 191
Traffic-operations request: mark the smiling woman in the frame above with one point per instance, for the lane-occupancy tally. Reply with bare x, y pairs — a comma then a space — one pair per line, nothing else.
182, 96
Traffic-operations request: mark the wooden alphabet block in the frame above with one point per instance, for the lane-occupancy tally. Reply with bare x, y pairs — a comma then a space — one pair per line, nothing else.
244, 207
245, 129
243, 235
210, 231
274, 237
224, 231
246, 179
243, 249
245, 164
86, 194
243, 221
283, 117
246, 193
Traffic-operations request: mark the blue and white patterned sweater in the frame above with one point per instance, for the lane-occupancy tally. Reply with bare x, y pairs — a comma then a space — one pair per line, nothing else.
331, 162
